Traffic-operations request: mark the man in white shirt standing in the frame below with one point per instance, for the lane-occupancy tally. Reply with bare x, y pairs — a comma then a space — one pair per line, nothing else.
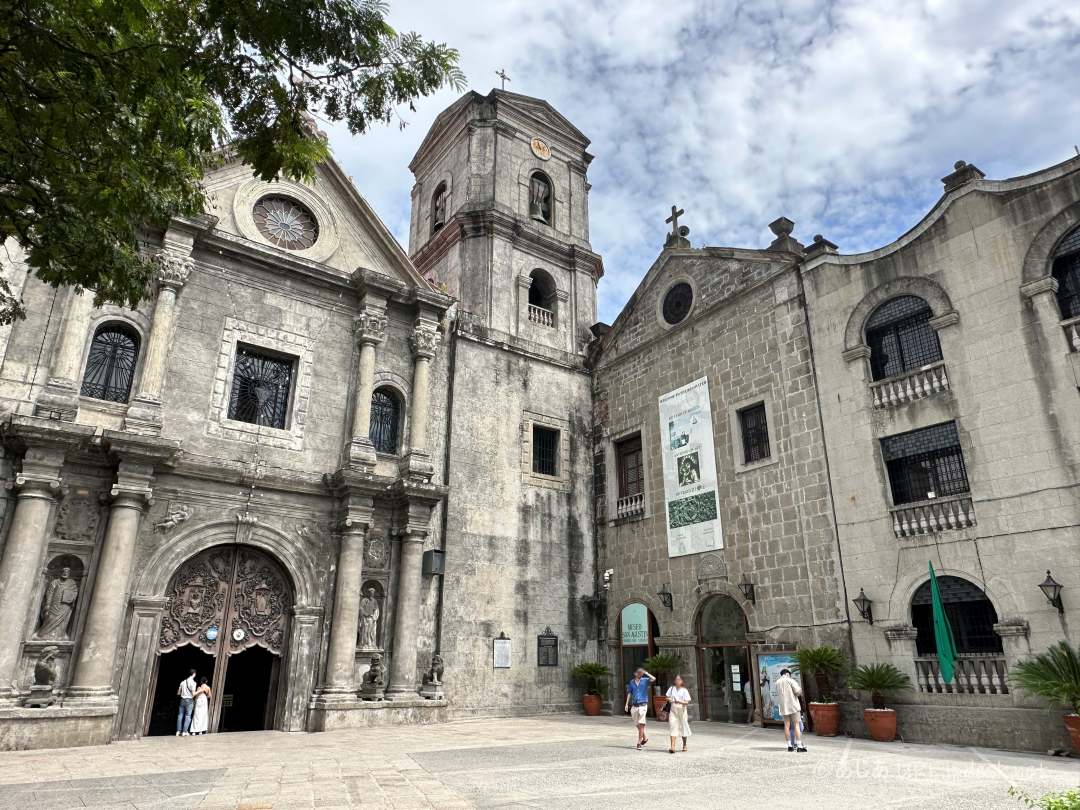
186, 693
788, 691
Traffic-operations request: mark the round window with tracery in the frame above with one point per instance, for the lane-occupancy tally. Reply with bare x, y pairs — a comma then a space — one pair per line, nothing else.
286, 223
677, 303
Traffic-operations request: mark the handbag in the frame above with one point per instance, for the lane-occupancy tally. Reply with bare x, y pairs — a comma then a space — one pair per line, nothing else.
667, 707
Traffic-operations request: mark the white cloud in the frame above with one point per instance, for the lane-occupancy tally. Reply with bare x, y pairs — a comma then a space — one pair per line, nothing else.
839, 115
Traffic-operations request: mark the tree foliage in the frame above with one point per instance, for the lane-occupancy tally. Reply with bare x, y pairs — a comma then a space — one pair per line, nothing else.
112, 111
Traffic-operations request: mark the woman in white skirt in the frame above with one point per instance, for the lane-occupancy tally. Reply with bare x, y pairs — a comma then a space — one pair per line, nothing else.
200, 720
677, 719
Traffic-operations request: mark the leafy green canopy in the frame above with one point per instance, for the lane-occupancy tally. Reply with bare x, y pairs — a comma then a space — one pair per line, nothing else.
111, 112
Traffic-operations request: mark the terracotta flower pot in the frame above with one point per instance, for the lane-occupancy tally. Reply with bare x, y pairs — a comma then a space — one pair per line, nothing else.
658, 702
826, 718
1072, 723
881, 723
592, 704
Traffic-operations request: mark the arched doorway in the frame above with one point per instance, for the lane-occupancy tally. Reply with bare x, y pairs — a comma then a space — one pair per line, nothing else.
226, 617
637, 640
726, 682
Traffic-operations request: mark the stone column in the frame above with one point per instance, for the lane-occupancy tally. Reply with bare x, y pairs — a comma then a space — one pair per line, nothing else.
92, 680
144, 415
370, 328
37, 486
340, 681
424, 342
402, 682
901, 639
60, 397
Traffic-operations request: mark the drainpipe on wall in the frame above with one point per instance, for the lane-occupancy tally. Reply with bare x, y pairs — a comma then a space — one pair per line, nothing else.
450, 375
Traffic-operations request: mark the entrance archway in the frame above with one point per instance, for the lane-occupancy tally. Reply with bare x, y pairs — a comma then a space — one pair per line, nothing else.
226, 617
726, 681
637, 629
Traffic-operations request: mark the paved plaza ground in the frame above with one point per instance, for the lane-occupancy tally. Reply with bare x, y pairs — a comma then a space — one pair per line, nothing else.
561, 762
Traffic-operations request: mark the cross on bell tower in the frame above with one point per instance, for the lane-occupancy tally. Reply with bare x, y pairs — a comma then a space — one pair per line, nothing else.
677, 237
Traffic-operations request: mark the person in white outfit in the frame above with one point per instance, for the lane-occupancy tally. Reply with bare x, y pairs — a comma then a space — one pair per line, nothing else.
788, 691
200, 719
677, 720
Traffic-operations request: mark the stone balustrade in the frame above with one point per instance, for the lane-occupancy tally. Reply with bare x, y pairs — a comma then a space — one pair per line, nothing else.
930, 517
918, 384
972, 675
630, 506
541, 316
1072, 333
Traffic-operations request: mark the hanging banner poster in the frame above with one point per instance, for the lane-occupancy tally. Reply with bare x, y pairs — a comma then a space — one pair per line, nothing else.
693, 514
635, 625
769, 666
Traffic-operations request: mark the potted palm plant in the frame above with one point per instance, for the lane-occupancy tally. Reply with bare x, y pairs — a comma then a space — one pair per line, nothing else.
1055, 675
663, 666
879, 680
595, 677
823, 664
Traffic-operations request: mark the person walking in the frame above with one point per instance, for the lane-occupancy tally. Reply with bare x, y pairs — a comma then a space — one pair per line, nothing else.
638, 690
200, 720
678, 720
186, 693
788, 691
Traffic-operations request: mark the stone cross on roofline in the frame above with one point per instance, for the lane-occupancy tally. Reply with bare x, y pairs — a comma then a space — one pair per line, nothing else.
501, 73
677, 237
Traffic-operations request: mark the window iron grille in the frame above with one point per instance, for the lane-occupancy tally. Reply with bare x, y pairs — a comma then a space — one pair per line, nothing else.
630, 467
925, 464
110, 364
971, 617
1067, 273
385, 424
545, 450
755, 433
901, 338
677, 303
262, 383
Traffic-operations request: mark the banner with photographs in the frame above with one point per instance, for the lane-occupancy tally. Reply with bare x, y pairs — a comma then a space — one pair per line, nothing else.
693, 514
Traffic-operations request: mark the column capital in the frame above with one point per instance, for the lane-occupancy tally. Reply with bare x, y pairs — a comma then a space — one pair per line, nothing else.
40, 473
172, 269
370, 326
425, 339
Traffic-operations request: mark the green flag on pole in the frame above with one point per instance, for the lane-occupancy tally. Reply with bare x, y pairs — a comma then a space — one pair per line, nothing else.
946, 649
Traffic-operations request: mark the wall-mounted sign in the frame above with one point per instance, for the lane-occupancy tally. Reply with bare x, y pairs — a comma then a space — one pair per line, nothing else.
689, 456
769, 666
540, 149
547, 649
635, 625
500, 652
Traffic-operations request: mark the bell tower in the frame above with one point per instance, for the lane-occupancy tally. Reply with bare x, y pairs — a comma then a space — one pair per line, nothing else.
500, 217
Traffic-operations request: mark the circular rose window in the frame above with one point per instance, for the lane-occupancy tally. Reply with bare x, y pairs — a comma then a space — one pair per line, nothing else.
677, 303
286, 223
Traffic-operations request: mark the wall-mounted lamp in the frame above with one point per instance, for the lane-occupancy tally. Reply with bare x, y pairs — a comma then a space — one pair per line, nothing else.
864, 606
1052, 591
747, 588
593, 602
665, 597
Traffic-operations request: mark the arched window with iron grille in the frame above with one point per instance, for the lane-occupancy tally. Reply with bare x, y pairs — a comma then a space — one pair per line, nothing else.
110, 365
900, 337
970, 613
1067, 272
385, 426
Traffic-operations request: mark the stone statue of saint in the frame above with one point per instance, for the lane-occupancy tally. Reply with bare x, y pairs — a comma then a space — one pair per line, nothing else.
58, 606
369, 621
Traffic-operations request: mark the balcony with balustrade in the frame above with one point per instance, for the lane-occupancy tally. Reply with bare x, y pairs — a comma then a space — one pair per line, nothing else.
630, 506
894, 392
541, 316
933, 516
973, 674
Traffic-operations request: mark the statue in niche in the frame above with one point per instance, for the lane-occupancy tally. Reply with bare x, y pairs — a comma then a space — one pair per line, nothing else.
369, 621
58, 605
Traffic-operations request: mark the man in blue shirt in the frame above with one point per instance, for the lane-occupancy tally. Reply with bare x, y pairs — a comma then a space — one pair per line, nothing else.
638, 691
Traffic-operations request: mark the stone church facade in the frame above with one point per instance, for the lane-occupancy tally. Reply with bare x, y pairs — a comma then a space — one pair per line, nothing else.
353, 485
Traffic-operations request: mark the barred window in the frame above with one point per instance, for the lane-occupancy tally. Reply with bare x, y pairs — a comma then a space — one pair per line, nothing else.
630, 467
755, 433
110, 365
262, 383
924, 464
1067, 272
900, 337
385, 426
971, 617
545, 450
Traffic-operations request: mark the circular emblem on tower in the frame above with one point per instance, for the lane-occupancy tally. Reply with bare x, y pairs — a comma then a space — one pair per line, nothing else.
540, 149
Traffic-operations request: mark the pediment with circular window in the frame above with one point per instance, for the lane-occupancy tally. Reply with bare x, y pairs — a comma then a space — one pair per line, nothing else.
285, 222
287, 216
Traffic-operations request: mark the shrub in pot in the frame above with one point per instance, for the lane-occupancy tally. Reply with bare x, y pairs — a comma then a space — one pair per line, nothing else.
1055, 675
879, 680
823, 665
664, 666
594, 676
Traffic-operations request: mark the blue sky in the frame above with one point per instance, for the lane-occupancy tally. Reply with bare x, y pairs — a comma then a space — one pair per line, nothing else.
841, 116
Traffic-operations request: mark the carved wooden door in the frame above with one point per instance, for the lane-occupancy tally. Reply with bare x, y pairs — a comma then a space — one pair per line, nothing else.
224, 601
